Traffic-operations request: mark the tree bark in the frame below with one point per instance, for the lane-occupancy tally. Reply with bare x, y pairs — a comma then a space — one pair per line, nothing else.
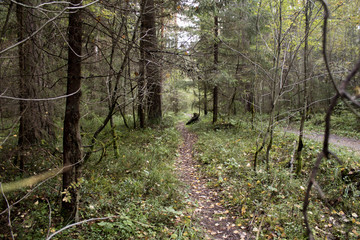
34, 121
304, 111
149, 48
205, 99
141, 89
232, 102
216, 61
72, 154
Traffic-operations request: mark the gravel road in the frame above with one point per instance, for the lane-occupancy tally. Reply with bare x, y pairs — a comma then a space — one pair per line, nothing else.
353, 144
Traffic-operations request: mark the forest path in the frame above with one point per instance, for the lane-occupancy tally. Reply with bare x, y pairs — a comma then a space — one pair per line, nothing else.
336, 140
207, 208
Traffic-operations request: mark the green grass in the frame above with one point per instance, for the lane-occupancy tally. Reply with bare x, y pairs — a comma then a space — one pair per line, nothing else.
269, 203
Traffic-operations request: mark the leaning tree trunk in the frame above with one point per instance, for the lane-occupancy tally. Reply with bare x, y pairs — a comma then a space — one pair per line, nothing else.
72, 154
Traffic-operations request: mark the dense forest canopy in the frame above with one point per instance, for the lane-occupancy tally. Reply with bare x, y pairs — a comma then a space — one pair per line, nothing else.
90, 93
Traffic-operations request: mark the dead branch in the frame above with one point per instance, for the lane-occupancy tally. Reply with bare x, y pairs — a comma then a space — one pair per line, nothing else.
341, 93
9, 211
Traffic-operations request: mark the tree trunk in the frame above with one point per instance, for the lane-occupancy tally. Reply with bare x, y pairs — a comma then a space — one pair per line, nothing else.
205, 99
216, 61
141, 89
34, 123
274, 93
304, 111
232, 102
72, 154
149, 48
112, 92
132, 93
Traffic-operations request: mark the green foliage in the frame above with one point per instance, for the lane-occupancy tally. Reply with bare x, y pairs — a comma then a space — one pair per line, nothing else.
271, 201
140, 188
343, 123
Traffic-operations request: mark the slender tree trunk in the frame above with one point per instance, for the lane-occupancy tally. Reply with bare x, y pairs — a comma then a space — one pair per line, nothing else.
274, 92
199, 106
72, 154
114, 136
111, 92
215, 103
128, 73
304, 111
141, 80
216, 61
258, 95
271, 132
232, 101
132, 93
141, 89
205, 99
256, 70
249, 103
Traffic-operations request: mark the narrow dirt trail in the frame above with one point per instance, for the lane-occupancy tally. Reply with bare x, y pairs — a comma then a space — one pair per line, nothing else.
208, 211
339, 141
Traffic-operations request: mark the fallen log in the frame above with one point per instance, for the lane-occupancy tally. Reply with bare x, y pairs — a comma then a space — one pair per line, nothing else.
194, 119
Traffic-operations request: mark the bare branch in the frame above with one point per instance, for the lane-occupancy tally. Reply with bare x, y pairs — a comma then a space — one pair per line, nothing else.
34, 33
34, 180
75, 7
324, 43
307, 194
30, 181
40, 99
9, 211
78, 223
336, 157
341, 92
41, 5
320, 191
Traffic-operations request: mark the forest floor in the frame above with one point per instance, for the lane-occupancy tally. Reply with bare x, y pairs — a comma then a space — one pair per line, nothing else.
206, 206
339, 141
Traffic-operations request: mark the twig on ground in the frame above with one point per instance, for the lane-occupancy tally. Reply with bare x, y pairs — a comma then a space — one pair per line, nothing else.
78, 223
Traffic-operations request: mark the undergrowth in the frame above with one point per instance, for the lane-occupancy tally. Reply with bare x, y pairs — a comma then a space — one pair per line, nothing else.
343, 123
138, 190
137, 186
269, 204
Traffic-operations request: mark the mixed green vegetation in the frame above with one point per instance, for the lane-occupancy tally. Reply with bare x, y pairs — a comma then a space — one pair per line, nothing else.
269, 203
93, 91
138, 191
343, 123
